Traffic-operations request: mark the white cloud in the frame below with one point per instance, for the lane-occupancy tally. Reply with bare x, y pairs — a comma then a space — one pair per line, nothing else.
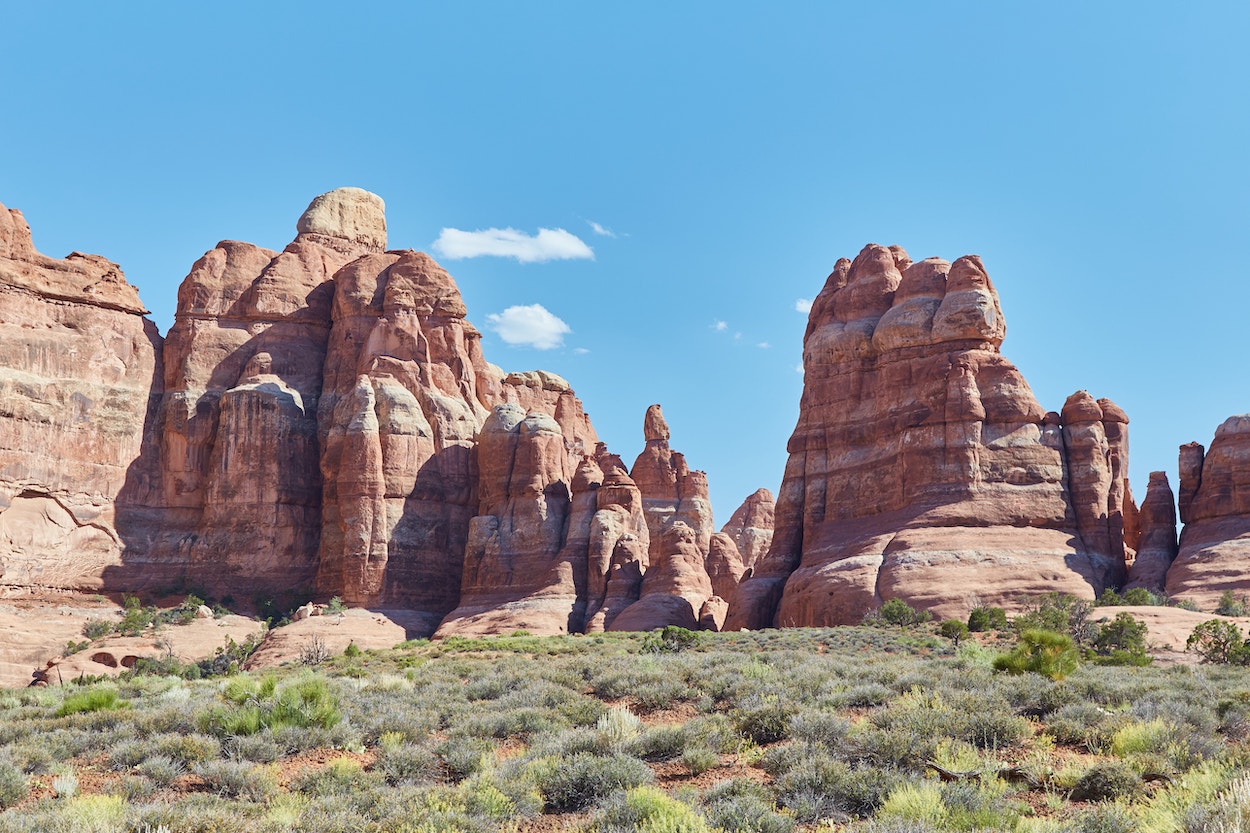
737, 335
581, 351
803, 305
529, 326
600, 230
720, 326
548, 244
763, 345
798, 368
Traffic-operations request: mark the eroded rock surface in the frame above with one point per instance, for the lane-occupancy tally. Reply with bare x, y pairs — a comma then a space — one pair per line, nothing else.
79, 367
922, 466
1156, 543
1214, 554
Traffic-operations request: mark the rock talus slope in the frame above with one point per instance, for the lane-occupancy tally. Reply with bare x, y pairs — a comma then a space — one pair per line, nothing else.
923, 468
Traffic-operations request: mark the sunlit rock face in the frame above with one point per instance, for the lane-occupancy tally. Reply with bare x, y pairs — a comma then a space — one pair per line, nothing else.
1214, 554
923, 468
79, 367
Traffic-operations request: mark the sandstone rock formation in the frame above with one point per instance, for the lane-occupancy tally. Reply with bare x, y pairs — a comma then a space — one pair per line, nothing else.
1215, 508
670, 490
674, 588
1156, 542
78, 366
751, 526
923, 468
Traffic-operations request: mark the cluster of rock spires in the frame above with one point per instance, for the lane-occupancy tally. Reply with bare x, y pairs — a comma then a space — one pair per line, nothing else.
322, 420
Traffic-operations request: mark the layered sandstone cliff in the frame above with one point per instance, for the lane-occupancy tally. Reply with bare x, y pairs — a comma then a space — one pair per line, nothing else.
923, 468
1214, 554
79, 364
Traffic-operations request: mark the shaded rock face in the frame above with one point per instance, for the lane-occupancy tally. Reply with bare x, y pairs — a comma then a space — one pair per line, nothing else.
240, 494
923, 468
1156, 542
674, 588
1215, 508
79, 369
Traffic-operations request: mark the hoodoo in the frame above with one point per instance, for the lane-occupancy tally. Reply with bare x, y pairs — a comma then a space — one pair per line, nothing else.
923, 468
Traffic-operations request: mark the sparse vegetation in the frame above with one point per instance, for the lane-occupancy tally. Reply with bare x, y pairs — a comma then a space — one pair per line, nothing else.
843, 729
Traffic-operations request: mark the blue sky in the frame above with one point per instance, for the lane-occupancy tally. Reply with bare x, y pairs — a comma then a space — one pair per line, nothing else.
1095, 155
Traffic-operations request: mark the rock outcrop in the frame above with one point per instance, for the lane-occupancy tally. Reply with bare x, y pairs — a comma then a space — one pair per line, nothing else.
923, 468
1215, 508
79, 368
1156, 541
751, 526
674, 588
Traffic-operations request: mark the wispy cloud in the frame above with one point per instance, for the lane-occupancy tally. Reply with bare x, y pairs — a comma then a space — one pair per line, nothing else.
529, 326
720, 326
581, 351
763, 345
548, 244
803, 305
600, 230
798, 368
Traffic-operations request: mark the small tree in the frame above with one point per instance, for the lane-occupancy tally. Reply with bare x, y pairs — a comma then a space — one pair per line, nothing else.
987, 619
898, 612
1218, 641
954, 629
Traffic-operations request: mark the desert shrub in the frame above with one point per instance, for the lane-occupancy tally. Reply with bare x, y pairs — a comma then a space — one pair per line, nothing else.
987, 619
859, 696
658, 743
983, 720
820, 728
343, 776
406, 763
1106, 781
161, 769
699, 759
260, 748
13, 787
743, 806
463, 754
669, 640
575, 782
617, 727
91, 700
766, 723
1084, 724
97, 628
304, 703
819, 787
915, 802
237, 779
1142, 597
1218, 641
1044, 652
1230, 605
647, 810
1105, 818
1057, 612
188, 749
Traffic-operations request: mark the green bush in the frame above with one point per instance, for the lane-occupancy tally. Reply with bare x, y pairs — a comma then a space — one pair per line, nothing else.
1122, 641
987, 619
898, 612
669, 640
955, 630
744, 806
1230, 605
1218, 641
1050, 654
97, 628
91, 700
